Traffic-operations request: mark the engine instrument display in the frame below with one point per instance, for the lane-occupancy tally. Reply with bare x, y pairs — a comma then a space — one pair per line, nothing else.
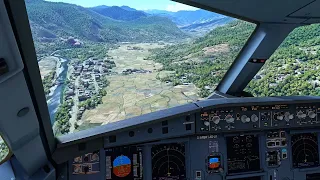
243, 154
124, 163
305, 151
168, 162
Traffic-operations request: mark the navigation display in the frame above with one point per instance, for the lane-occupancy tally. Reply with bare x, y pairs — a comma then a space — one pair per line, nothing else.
124, 163
305, 150
168, 162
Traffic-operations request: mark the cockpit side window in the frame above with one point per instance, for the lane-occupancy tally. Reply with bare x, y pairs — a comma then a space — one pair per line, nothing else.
293, 69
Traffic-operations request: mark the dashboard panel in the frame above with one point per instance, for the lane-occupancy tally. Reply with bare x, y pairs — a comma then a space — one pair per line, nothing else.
251, 138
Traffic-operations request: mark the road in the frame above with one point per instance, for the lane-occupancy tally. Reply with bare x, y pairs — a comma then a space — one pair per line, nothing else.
75, 108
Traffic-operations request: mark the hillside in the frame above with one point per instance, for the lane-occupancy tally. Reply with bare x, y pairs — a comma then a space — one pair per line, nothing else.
294, 68
123, 13
52, 21
204, 61
202, 28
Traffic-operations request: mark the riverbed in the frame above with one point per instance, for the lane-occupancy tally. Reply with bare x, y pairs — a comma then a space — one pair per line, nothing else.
56, 92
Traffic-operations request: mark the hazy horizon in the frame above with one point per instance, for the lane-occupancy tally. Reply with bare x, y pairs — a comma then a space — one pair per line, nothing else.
167, 5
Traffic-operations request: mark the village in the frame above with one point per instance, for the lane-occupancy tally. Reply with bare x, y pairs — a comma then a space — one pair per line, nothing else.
85, 86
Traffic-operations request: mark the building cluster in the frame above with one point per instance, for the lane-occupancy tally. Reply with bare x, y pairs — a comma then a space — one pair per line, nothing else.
87, 79
135, 71
90, 73
95, 66
134, 48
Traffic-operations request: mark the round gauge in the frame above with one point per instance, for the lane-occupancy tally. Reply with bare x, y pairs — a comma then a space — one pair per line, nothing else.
305, 150
168, 161
236, 146
248, 145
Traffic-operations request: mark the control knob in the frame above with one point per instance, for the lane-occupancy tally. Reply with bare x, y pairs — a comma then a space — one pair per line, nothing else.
280, 117
215, 119
206, 123
254, 118
245, 119
311, 114
288, 116
229, 119
301, 115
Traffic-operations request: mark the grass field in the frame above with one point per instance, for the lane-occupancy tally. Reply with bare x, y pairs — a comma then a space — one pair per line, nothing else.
47, 64
137, 94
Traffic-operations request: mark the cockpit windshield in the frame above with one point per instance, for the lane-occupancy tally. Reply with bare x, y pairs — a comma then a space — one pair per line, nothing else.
105, 61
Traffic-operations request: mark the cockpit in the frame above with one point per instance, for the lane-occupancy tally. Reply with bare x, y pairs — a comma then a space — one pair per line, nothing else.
168, 90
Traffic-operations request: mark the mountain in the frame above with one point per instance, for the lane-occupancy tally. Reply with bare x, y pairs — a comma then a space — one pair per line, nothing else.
123, 13
128, 8
202, 28
186, 18
50, 21
196, 23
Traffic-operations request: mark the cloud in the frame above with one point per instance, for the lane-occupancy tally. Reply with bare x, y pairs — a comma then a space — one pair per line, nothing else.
179, 7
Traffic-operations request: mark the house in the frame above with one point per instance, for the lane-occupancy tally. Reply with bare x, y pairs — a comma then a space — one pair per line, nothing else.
82, 97
69, 92
96, 69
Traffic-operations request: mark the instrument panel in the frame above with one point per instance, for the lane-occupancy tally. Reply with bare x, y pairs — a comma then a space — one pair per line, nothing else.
253, 142
257, 117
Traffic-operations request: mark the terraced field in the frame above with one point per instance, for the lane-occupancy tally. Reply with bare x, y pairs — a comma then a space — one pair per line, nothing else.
136, 94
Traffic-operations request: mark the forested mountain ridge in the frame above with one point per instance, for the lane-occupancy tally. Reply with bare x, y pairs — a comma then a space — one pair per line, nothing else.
123, 13
50, 21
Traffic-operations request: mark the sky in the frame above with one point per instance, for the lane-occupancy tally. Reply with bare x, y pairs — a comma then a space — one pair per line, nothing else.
137, 4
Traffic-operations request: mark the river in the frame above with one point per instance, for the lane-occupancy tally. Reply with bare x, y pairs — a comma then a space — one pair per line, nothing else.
55, 97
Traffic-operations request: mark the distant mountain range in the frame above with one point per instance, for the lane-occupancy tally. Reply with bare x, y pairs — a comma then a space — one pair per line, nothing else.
60, 20
51, 20
186, 18
123, 13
